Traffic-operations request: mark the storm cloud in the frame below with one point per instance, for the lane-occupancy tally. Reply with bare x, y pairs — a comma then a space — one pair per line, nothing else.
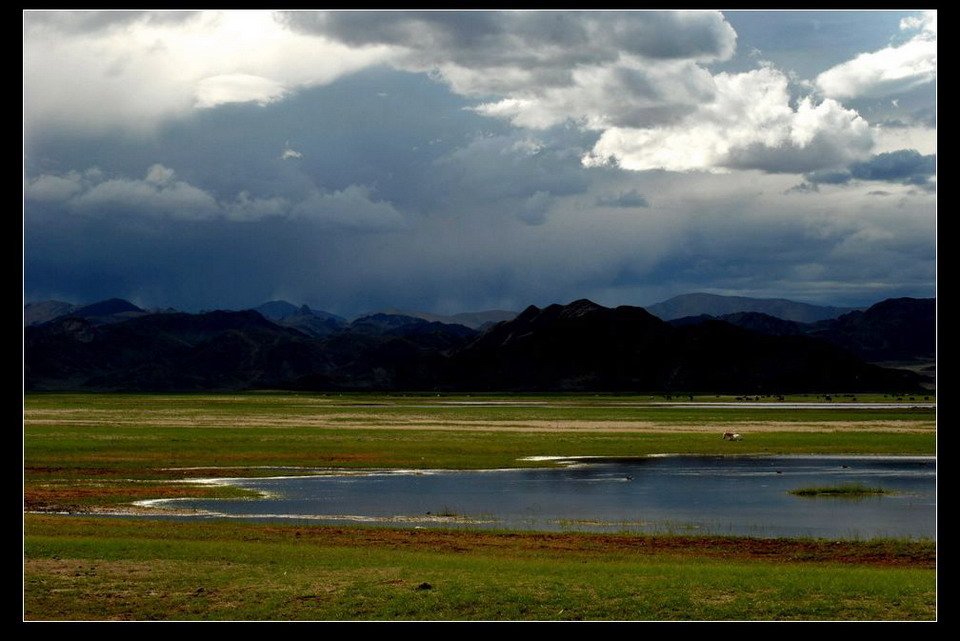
906, 166
457, 161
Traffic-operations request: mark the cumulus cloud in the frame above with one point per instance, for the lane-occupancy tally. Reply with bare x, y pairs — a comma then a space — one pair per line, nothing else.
160, 194
889, 71
135, 70
750, 124
53, 189
157, 194
546, 67
637, 77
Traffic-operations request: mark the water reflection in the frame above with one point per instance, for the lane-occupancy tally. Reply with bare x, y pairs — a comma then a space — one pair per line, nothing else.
684, 494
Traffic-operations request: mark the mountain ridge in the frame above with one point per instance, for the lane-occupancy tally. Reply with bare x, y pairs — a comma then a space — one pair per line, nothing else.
716, 305
579, 346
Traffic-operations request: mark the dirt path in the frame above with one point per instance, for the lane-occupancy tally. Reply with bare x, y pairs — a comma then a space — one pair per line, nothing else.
387, 422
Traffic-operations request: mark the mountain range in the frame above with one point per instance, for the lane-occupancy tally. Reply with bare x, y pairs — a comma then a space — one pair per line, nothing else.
716, 305
582, 346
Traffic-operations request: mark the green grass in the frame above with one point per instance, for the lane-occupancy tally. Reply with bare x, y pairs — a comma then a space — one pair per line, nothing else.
96, 451
120, 569
852, 490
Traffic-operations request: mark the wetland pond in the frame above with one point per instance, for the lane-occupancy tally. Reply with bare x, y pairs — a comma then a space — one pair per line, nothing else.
726, 495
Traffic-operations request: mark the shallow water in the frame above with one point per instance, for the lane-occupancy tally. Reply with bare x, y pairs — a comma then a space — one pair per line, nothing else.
679, 494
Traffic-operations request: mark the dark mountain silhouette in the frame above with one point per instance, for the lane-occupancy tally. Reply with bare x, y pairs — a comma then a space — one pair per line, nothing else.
894, 330
754, 321
178, 351
581, 346
224, 350
897, 329
381, 323
473, 320
715, 305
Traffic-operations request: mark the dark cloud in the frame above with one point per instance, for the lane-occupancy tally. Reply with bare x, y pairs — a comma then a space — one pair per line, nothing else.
389, 189
632, 198
803, 188
905, 166
78, 22
825, 150
492, 168
829, 177
481, 39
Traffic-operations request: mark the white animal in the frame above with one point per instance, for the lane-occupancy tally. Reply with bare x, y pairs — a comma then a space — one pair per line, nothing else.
731, 436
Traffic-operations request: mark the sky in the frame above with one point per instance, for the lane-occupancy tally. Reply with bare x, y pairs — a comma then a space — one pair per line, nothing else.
454, 161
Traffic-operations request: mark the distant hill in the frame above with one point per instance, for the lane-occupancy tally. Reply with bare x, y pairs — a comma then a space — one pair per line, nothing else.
473, 320
45, 311
109, 307
224, 350
106, 311
276, 309
313, 323
715, 305
897, 329
894, 330
754, 321
581, 346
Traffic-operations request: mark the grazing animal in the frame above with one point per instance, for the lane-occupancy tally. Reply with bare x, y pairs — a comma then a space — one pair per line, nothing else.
731, 436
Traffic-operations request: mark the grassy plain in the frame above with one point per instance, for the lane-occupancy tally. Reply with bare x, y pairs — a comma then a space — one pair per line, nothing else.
99, 453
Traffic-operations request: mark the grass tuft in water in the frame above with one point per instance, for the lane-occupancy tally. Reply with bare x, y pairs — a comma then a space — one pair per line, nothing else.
842, 491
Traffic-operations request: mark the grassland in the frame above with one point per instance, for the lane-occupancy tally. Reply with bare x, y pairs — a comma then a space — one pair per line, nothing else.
93, 453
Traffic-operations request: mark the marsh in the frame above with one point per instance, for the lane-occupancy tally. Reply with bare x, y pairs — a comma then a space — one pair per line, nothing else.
736, 495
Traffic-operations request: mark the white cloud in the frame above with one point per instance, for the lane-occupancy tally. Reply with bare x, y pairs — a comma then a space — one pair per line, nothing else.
599, 69
289, 152
889, 71
926, 22
637, 77
750, 124
159, 175
237, 87
158, 194
632, 93
92, 71
923, 139
53, 189
247, 208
